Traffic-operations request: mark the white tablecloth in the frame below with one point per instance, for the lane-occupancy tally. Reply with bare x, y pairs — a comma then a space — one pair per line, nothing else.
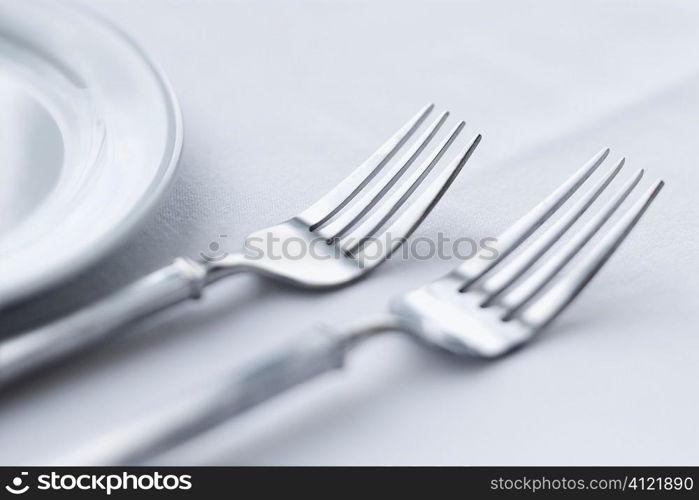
281, 100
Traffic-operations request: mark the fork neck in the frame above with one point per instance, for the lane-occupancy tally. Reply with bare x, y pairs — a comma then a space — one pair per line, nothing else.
356, 331
232, 263
352, 332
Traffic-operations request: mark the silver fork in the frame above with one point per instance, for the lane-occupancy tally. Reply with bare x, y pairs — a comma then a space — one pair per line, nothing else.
485, 309
350, 217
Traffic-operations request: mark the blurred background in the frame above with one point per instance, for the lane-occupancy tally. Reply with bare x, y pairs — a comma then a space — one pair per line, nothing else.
282, 99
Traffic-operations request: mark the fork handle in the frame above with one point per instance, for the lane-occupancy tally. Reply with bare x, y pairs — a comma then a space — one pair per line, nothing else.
28, 351
316, 353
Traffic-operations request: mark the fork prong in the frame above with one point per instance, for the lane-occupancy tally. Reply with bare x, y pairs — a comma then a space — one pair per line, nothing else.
325, 208
494, 285
349, 215
355, 239
547, 307
469, 272
377, 250
514, 300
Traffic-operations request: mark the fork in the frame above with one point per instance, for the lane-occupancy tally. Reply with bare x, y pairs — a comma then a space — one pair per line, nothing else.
485, 308
346, 219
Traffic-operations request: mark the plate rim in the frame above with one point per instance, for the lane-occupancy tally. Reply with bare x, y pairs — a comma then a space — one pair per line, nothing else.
137, 214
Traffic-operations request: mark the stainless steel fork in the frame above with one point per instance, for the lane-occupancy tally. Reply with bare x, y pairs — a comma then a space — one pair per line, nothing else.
353, 216
485, 309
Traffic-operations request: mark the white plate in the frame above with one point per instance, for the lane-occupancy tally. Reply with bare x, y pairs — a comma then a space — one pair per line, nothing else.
90, 134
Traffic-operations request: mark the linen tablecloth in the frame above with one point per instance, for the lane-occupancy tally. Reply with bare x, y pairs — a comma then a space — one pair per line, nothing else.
281, 100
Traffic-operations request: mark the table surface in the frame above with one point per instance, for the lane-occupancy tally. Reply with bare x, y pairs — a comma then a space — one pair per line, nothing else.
280, 101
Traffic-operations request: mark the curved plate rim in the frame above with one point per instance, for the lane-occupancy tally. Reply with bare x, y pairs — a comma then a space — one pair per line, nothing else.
21, 290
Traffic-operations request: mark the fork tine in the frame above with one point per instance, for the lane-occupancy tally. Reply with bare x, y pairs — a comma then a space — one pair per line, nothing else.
358, 236
360, 207
325, 208
413, 216
469, 272
494, 285
514, 300
556, 299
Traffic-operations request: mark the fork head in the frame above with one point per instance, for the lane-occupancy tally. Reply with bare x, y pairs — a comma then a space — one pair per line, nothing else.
343, 235
489, 307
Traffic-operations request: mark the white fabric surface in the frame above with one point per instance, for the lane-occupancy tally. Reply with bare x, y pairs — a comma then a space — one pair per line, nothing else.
281, 100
